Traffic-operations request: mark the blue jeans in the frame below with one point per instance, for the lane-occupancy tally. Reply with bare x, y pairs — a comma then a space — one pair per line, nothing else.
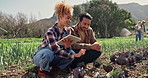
45, 58
139, 35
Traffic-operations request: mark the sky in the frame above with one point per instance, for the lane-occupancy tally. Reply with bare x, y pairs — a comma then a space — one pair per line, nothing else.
41, 9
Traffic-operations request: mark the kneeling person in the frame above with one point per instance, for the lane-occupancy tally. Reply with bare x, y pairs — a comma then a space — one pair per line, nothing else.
88, 41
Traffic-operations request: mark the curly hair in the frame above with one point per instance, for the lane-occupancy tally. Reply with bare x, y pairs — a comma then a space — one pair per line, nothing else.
62, 8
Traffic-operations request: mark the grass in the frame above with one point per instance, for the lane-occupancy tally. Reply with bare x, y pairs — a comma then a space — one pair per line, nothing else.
113, 45
20, 51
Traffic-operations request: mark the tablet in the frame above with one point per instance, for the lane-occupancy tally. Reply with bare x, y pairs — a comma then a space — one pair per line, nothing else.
74, 38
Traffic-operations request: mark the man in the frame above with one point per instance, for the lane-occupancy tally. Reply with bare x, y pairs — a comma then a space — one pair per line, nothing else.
88, 41
140, 29
143, 29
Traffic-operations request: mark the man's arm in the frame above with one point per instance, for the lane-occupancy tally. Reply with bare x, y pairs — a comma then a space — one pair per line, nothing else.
78, 45
92, 36
92, 45
144, 28
93, 41
81, 46
95, 46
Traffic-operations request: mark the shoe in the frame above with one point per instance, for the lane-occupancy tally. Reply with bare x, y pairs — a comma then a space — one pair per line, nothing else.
42, 73
54, 72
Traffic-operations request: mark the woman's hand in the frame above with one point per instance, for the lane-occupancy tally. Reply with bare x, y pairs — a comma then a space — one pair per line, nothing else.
67, 42
81, 52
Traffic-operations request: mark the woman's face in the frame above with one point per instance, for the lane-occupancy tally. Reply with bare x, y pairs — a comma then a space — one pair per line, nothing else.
65, 20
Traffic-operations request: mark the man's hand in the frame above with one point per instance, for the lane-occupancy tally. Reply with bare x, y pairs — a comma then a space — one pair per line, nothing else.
96, 47
81, 52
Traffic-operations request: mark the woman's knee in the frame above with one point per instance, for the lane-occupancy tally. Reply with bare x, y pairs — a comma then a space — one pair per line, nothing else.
44, 54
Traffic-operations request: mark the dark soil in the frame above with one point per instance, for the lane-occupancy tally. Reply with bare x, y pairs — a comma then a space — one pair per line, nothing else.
134, 70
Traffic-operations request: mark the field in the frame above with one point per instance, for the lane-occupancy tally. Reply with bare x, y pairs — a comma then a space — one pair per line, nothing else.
16, 54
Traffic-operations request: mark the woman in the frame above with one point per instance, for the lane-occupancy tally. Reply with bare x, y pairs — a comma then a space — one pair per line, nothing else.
138, 29
50, 54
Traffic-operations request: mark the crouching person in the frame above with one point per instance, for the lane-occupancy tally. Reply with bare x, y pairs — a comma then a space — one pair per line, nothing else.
50, 54
88, 41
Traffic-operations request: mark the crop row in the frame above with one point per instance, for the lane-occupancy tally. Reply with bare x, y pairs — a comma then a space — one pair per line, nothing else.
20, 51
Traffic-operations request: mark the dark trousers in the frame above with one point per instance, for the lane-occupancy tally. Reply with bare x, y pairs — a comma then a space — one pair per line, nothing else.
90, 56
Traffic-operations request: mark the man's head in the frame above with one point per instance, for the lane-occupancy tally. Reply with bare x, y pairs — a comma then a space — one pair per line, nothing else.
142, 22
84, 21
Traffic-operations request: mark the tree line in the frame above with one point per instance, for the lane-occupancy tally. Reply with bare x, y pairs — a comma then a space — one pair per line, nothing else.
108, 18
108, 21
20, 26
